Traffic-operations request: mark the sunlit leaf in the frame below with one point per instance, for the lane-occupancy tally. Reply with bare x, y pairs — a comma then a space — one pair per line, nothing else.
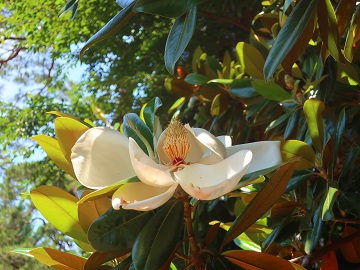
313, 236
297, 149
98, 258
353, 36
313, 109
327, 212
52, 149
251, 60
150, 110
60, 209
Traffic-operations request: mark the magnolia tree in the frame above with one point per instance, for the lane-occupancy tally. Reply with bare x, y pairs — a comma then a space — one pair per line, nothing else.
269, 181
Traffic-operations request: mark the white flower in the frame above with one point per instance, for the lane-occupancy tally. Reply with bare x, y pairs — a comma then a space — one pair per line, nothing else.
204, 166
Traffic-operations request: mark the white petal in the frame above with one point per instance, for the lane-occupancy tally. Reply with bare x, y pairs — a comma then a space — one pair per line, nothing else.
266, 154
148, 171
208, 182
196, 150
141, 197
217, 151
226, 140
100, 158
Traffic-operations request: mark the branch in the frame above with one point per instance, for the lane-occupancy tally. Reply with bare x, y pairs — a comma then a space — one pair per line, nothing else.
14, 38
12, 56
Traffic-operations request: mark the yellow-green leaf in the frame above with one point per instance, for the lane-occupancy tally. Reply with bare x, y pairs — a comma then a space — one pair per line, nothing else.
68, 131
313, 109
251, 60
52, 149
58, 259
292, 149
353, 36
215, 106
60, 209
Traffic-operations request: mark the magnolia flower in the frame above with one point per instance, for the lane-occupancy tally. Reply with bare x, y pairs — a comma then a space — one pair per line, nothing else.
206, 167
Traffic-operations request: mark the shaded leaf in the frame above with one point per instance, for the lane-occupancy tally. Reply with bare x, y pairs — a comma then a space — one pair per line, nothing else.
195, 78
243, 88
98, 258
262, 202
313, 236
161, 231
150, 110
111, 28
117, 230
289, 34
353, 36
179, 37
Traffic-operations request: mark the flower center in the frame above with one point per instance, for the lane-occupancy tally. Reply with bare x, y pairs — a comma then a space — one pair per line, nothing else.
176, 144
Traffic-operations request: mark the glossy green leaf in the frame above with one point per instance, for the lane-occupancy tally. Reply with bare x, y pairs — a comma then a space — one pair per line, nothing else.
107, 191
60, 209
349, 161
195, 78
292, 123
124, 3
157, 240
262, 202
52, 149
296, 181
150, 110
134, 127
313, 236
166, 8
289, 34
75, 8
328, 85
117, 230
111, 28
270, 90
215, 105
313, 109
251, 60
243, 88
223, 81
278, 121
179, 37
338, 133
23, 251
57, 259
297, 149
327, 212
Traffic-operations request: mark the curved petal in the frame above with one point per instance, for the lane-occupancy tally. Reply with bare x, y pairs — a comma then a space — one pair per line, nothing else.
100, 158
196, 150
141, 197
216, 148
148, 171
266, 154
208, 182
226, 140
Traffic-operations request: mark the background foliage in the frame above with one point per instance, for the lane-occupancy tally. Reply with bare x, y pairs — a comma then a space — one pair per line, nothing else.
255, 70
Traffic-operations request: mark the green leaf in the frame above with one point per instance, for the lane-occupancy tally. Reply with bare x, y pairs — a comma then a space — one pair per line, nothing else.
278, 121
291, 149
60, 209
166, 8
251, 60
288, 35
353, 36
292, 123
327, 212
98, 258
350, 202
195, 78
243, 88
349, 161
117, 230
215, 105
179, 37
338, 133
313, 109
262, 202
296, 181
157, 241
134, 127
150, 111
111, 28
313, 236
328, 85
270, 90
23, 251
124, 3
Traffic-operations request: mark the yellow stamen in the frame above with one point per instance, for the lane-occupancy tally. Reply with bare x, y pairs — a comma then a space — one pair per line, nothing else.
176, 144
